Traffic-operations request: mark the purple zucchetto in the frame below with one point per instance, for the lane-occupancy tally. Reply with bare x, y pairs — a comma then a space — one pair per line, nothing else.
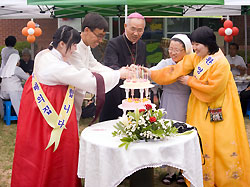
135, 15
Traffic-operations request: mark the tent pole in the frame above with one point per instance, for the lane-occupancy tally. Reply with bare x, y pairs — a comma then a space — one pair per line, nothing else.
110, 27
32, 48
165, 23
119, 25
126, 13
227, 42
245, 24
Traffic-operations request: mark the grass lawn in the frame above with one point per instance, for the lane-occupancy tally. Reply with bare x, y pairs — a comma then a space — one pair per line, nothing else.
7, 144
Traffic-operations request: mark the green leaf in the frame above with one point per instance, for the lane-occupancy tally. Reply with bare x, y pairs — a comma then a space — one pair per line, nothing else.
123, 144
120, 126
126, 146
154, 127
137, 116
159, 132
126, 139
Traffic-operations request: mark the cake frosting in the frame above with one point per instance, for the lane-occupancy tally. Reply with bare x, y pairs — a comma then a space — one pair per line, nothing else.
137, 80
133, 103
136, 83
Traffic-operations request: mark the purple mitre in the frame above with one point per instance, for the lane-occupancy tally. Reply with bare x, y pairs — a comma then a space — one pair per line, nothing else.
136, 15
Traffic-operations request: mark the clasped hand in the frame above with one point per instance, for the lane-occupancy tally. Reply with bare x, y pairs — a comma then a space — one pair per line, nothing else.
183, 79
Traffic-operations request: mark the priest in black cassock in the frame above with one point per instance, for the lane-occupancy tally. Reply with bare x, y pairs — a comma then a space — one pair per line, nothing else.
123, 50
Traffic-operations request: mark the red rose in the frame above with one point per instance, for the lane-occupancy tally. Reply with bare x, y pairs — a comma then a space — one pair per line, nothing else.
148, 106
142, 110
152, 119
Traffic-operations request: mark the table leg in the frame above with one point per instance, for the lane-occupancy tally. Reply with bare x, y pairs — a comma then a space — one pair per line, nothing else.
142, 178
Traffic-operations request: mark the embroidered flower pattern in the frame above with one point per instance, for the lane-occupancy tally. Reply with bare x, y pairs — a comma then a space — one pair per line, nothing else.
234, 154
234, 172
208, 172
206, 177
206, 156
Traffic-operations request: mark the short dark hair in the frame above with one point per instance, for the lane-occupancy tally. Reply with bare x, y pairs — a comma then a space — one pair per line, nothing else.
178, 40
234, 44
205, 36
94, 21
68, 35
10, 41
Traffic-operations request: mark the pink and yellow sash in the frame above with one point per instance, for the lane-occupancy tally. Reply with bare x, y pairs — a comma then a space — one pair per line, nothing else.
57, 122
206, 63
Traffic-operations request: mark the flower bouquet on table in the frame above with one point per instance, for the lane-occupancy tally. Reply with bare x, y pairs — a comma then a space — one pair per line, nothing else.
144, 124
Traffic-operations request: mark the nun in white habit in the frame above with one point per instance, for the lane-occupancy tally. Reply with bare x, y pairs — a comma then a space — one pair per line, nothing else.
12, 77
175, 96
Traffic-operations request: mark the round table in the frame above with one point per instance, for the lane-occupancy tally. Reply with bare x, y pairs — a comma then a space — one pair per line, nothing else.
103, 164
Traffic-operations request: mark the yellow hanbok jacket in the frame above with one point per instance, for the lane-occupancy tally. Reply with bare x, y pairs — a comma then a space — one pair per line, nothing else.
225, 144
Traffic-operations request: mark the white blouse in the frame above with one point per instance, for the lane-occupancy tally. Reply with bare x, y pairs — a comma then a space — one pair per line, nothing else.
50, 69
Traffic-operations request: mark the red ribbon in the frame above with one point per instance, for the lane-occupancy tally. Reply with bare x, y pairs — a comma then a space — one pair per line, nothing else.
100, 95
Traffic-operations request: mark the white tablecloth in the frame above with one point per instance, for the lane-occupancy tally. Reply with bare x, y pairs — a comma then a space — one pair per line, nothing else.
103, 164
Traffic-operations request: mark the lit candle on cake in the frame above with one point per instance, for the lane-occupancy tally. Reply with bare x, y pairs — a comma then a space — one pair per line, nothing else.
137, 72
142, 72
146, 76
132, 93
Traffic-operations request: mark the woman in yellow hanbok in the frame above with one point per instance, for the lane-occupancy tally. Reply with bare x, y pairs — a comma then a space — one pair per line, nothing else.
214, 109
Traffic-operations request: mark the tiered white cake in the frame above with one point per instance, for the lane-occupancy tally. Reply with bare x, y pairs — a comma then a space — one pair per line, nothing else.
140, 82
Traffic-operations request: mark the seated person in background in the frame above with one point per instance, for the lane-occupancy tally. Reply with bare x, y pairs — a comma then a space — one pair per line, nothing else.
175, 96
25, 62
244, 97
10, 42
12, 76
237, 64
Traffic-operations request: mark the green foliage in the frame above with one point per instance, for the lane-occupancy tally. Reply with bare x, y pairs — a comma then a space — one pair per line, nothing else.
144, 124
154, 58
242, 54
154, 54
19, 46
151, 47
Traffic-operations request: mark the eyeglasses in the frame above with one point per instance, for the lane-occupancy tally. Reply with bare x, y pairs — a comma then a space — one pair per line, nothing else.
99, 37
175, 50
133, 29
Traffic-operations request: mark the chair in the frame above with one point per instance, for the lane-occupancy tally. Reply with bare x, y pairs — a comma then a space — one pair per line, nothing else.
8, 117
248, 108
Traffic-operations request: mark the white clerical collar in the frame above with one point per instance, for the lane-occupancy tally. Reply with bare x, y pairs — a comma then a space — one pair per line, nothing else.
128, 39
56, 53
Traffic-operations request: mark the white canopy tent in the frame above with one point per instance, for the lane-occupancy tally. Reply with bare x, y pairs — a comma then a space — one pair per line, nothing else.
230, 8
213, 10
18, 9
